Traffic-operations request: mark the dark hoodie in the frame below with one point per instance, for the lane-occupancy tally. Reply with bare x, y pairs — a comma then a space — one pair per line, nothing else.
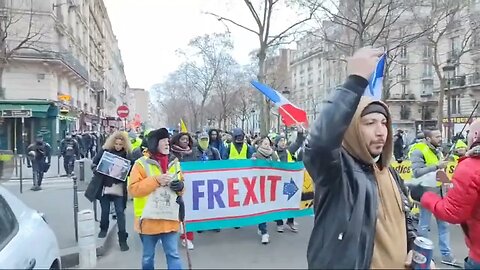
239, 132
293, 148
218, 144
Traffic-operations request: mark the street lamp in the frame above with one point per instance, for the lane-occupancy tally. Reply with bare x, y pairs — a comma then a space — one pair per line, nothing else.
449, 73
253, 120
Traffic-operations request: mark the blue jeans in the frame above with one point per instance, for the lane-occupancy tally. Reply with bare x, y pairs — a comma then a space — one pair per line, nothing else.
170, 247
262, 227
443, 230
119, 203
471, 264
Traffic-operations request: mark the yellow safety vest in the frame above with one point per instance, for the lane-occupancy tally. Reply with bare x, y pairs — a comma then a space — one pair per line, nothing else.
137, 143
234, 153
152, 168
430, 157
289, 156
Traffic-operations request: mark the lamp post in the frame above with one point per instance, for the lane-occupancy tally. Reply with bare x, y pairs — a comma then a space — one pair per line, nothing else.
253, 120
449, 73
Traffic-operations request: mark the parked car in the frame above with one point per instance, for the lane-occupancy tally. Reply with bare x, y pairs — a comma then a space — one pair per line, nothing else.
26, 240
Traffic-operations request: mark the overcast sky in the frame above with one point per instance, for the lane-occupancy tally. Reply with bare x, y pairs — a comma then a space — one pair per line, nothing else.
150, 31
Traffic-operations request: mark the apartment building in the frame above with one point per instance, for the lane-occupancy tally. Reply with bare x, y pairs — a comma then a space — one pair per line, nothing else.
69, 72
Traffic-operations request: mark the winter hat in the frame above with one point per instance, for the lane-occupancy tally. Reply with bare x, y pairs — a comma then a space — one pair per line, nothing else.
474, 134
203, 135
278, 138
154, 137
374, 108
132, 135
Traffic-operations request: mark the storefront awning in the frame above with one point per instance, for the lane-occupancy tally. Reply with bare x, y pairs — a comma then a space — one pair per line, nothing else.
38, 110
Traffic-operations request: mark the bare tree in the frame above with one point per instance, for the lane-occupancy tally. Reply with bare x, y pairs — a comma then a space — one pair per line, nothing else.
18, 31
263, 18
443, 20
204, 58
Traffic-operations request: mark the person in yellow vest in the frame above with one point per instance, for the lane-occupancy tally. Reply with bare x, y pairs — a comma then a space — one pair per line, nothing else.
149, 173
460, 150
287, 154
426, 158
134, 140
238, 148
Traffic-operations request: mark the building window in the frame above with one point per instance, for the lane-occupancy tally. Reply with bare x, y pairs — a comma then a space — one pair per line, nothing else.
427, 51
404, 71
456, 109
403, 52
404, 89
427, 70
427, 87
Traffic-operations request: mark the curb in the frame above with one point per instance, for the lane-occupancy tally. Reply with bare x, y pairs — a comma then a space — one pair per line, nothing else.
44, 177
71, 256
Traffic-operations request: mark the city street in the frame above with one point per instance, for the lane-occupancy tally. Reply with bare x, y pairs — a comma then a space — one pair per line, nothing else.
55, 165
242, 249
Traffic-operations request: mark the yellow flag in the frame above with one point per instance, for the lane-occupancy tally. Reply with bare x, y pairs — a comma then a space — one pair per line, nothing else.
183, 127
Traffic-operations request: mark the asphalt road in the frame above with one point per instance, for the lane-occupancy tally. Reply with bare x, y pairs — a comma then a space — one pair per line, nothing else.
242, 249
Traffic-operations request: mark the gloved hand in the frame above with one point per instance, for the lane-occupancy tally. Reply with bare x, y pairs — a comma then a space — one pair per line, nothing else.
417, 191
176, 185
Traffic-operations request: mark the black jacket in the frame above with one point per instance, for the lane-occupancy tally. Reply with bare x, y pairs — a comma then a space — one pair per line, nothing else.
346, 193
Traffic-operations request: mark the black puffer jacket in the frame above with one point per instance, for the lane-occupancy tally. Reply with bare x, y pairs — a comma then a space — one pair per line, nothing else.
346, 195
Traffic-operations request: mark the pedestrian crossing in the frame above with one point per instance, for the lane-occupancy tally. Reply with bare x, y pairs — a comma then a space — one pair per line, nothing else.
47, 183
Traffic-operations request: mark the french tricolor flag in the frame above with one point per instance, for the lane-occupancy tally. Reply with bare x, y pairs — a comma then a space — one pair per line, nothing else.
291, 114
374, 88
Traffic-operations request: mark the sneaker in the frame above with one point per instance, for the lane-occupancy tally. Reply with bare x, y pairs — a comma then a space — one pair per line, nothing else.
292, 226
265, 238
188, 244
102, 234
280, 228
449, 260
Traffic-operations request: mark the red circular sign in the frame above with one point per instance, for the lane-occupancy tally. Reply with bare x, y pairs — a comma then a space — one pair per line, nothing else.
123, 111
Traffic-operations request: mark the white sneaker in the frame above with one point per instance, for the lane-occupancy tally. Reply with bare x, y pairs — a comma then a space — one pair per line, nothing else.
188, 244
280, 228
292, 226
265, 239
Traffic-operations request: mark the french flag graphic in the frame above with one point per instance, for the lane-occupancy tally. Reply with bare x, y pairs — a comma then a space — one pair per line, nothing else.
375, 84
291, 114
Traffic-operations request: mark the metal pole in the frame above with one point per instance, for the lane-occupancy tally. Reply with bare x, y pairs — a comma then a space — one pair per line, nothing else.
449, 112
75, 206
58, 161
15, 145
21, 157
21, 175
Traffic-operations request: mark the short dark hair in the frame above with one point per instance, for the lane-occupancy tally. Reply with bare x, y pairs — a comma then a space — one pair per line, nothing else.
428, 132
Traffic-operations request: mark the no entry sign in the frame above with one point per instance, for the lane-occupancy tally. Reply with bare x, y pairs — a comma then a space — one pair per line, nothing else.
123, 111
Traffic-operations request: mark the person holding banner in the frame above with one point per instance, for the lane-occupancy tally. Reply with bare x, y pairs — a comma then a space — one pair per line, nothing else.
361, 207
114, 189
149, 175
287, 154
238, 148
182, 149
265, 152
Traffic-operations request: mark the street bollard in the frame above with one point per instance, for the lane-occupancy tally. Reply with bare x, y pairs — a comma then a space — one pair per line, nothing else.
87, 239
21, 174
58, 164
75, 206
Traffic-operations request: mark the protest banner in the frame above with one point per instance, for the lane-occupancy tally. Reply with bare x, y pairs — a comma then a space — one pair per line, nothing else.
114, 166
237, 193
404, 168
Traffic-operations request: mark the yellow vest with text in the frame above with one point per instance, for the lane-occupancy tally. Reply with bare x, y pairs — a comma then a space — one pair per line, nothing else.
430, 157
234, 153
151, 168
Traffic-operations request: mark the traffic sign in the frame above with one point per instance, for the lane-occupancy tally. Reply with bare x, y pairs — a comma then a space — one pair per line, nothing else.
17, 113
123, 111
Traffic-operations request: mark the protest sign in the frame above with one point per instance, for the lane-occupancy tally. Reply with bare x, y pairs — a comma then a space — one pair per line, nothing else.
114, 166
236, 193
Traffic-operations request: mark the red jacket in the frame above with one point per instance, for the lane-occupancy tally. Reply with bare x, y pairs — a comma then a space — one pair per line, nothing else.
462, 203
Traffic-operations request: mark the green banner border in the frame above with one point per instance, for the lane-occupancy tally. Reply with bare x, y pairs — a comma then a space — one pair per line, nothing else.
219, 165
249, 221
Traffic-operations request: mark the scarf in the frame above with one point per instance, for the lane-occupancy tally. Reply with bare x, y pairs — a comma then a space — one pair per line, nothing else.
162, 160
265, 151
178, 149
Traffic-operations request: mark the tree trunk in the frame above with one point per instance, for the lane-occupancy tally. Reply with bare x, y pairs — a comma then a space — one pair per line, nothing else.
263, 118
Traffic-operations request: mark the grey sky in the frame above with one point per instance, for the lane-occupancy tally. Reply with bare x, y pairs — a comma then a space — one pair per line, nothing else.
150, 31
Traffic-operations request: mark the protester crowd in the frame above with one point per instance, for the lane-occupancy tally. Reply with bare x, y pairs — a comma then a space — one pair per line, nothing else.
363, 208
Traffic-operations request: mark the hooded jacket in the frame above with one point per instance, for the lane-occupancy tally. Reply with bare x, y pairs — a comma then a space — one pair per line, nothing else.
352, 191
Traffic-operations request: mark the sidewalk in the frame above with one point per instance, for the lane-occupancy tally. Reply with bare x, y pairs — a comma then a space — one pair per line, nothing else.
56, 169
57, 205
